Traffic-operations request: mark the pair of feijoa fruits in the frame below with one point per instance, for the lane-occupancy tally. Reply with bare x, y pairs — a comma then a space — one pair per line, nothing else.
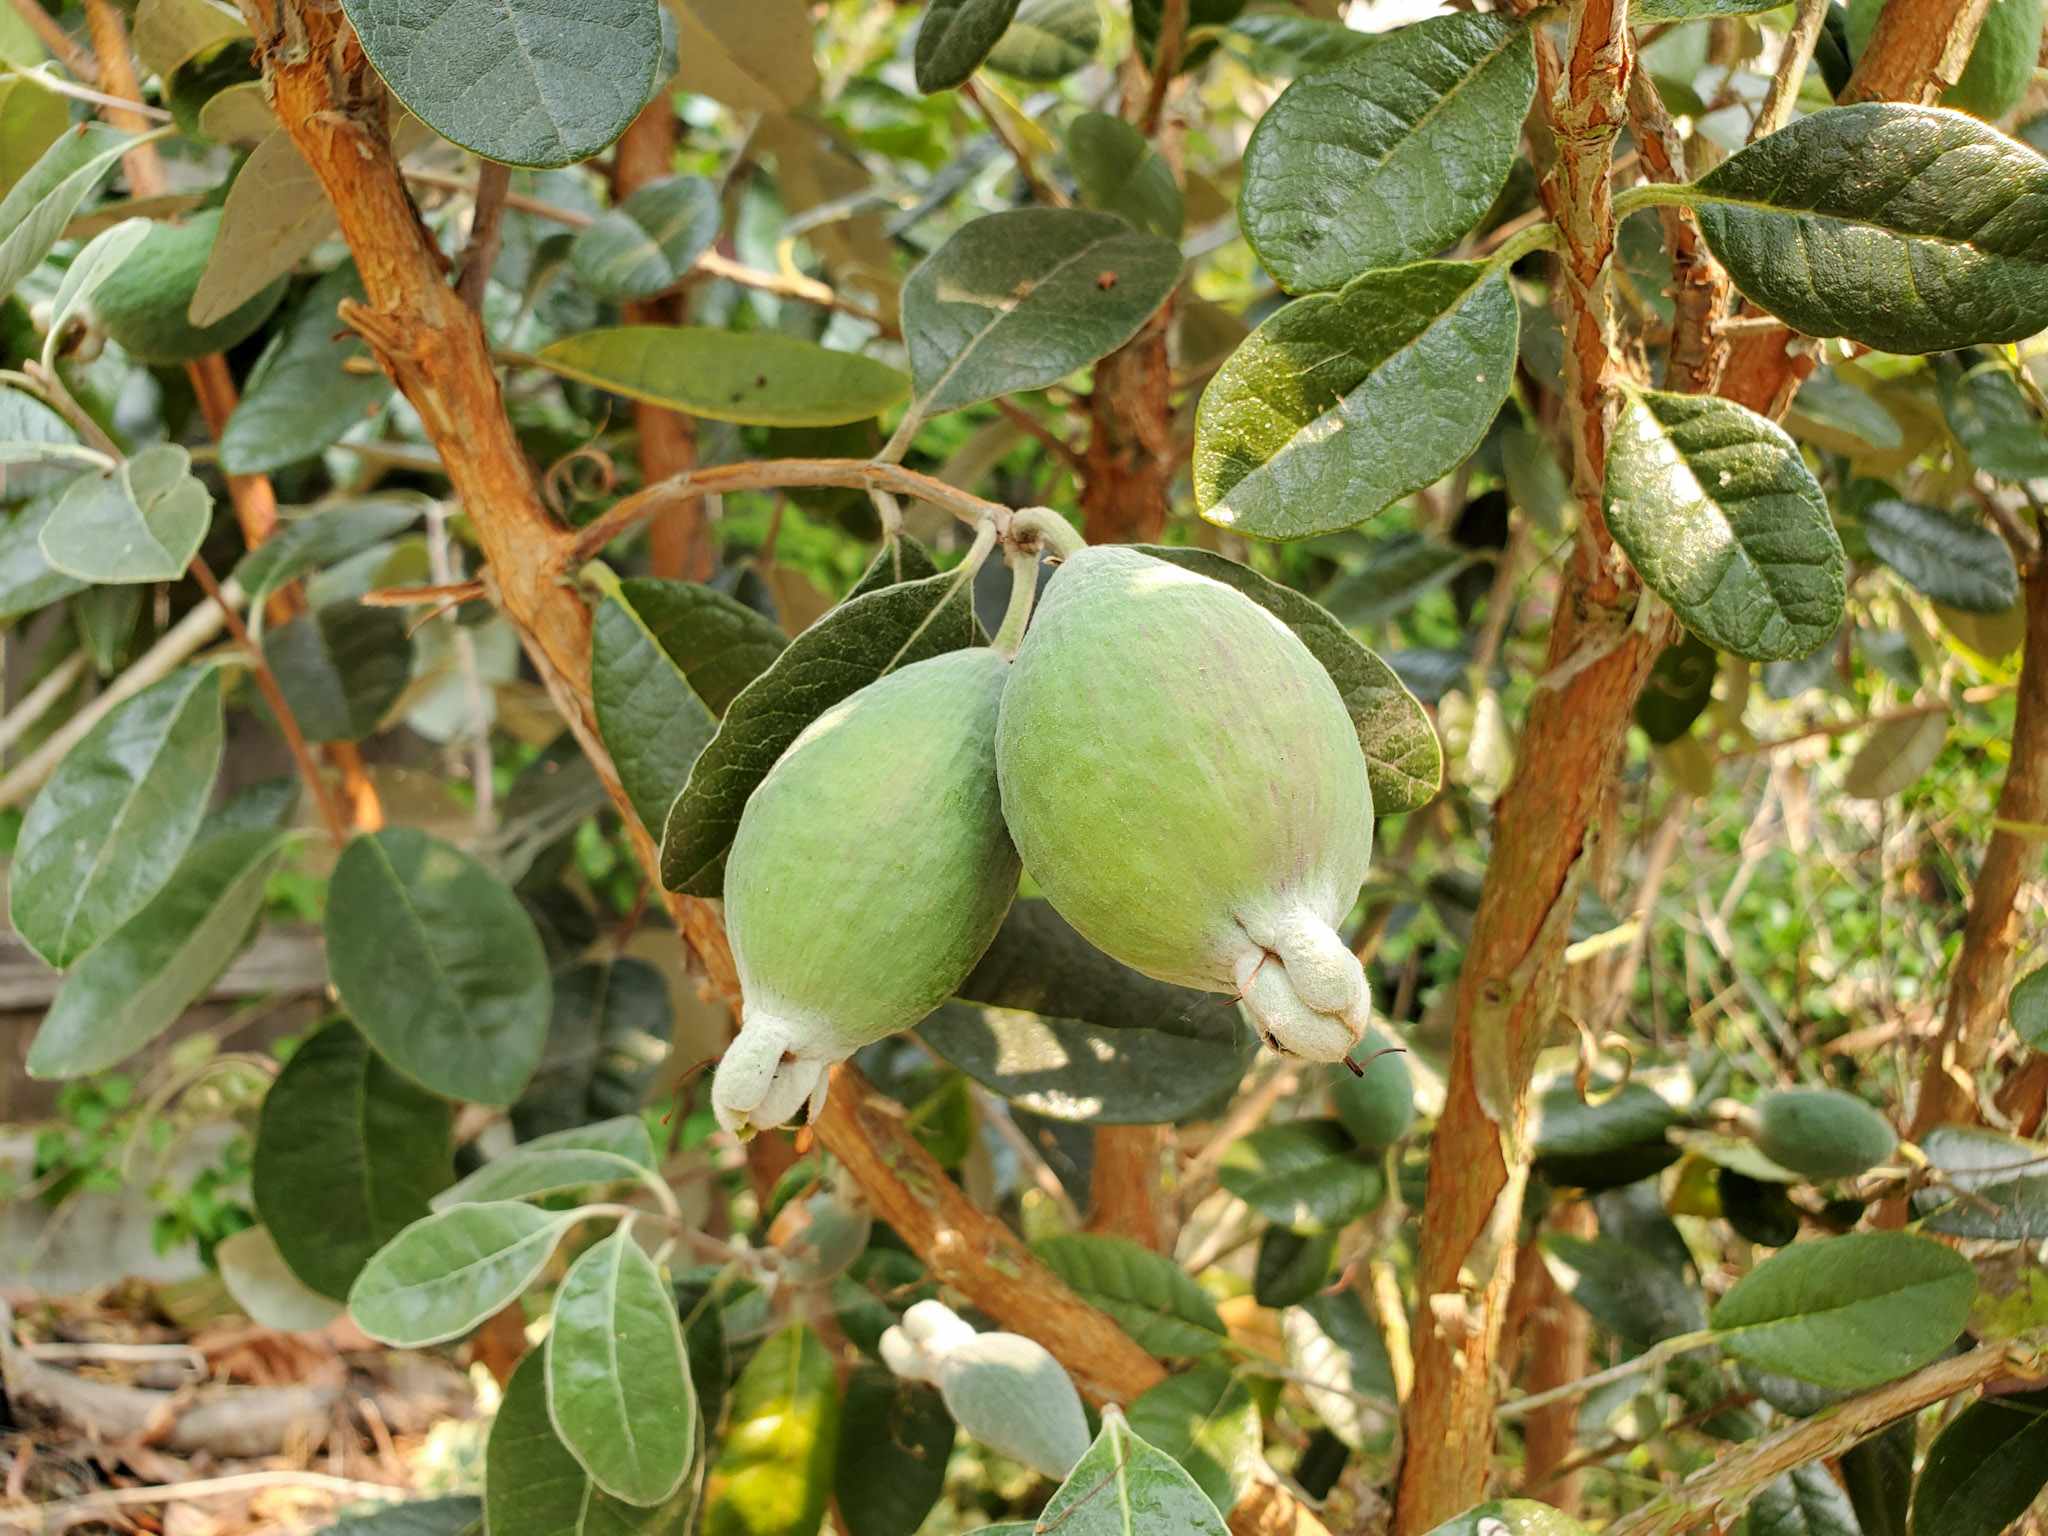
1175, 769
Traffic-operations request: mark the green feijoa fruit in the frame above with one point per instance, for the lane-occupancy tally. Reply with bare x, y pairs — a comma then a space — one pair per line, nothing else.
142, 302
1822, 1133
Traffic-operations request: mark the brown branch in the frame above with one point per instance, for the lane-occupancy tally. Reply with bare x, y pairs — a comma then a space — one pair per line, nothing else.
60, 43
1790, 74
1032, 427
486, 224
1717, 1492
1917, 51
1042, 191
1982, 694
1127, 1187
1700, 284
1166, 56
1559, 1353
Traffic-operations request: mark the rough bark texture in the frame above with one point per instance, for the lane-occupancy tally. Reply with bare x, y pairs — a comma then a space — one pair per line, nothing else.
1127, 1191
1982, 973
1128, 473
1558, 1353
1917, 51
679, 540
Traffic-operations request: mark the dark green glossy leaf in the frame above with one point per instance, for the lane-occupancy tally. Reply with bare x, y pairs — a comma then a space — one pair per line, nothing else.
341, 667
302, 395
448, 1271
1997, 1185
2028, 1006
862, 639
525, 83
1849, 1312
1681, 686
1124, 1487
1397, 573
774, 1471
1310, 426
757, 378
1283, 43
652, 721
348, 1154
1629, 1294
107, 830
1048, 40
41, 203
894, 1439
322, 538
27, 579
1909, 229
533, 1486
1207, 1420
136, 984
612, 1152
1305, 1175
1723, 520
649, 242
1878, 1475
1155, 1301
609, 1019
718, 642
1019, 300
1290, 1267
1613, 1137
439, 964
1120, 172
141, 521
1389, 156
953, 38
618, 1382
1993, 421
1963, 564
1988, 1464
1403, 758
1834, 413
1758, 1209
1804, 1502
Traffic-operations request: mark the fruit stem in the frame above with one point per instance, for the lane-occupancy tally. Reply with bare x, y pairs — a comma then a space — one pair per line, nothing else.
1023, 564
1061, 538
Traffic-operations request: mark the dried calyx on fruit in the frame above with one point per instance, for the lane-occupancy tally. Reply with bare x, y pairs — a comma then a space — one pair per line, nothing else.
1186, 786
870, 871
1002, 1388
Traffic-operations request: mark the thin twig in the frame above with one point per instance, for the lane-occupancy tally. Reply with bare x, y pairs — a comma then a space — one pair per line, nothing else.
440, 562
287, 722
1166, 56
441, 594
21, 719
57, 40
1042, 190
66, 1512
1061, 449
1791, 71
1982, 694
486, 223
1648, 1360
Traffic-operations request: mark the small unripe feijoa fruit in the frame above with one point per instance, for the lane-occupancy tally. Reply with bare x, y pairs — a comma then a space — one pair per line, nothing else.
1005, 1390
1377, 1104
1186, 786
870, 871
1822, 1133
142, 303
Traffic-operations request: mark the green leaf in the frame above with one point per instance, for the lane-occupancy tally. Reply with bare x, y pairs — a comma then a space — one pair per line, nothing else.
1207, 1420
1895, 756
756, 378
652, 721
341, 668
1305, 1175
37, 207
521, 82
1290, 1267
140, 980
32, 118
1837, 415
1019, 300
606, 1017
1804, 1502
1048, 40
1333, 1345
276, 214
27, 581
1997, 1186
323, 538
954, 36
1403, 758
1878, 1475
1985, 1468
1723, 520
1849, 1312
39, 451
1397, 573
1614, 1137
1993, 421
534, 1172
302, 395
141, 521
110, 826
1120, 172
1124, 1487
1310, 425
1681, 686
649, 242
1389, 156
1178, 1068
618, 1383
1630, 1294
864, 638
263, 1285
2028, 1008
533, 1485
1281, 44
751, 54
718, 642
894, 1440
1645, 12
348, 1154
91, 266
1909, 229
105, 618
449, 1270
169, 33
1953, 561
455, 1515
774, 1469
439, 964
1151, 1298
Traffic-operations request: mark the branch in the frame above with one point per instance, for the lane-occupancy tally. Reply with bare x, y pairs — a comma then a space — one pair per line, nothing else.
1166, 57
1791, 71
1717, 1492
1700, 284
1917, 51
487, 220
57, 40
1042, 191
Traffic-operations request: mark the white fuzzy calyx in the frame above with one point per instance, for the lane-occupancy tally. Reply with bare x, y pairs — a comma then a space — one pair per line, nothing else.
767, 1074
1005, 1390
1305, 990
